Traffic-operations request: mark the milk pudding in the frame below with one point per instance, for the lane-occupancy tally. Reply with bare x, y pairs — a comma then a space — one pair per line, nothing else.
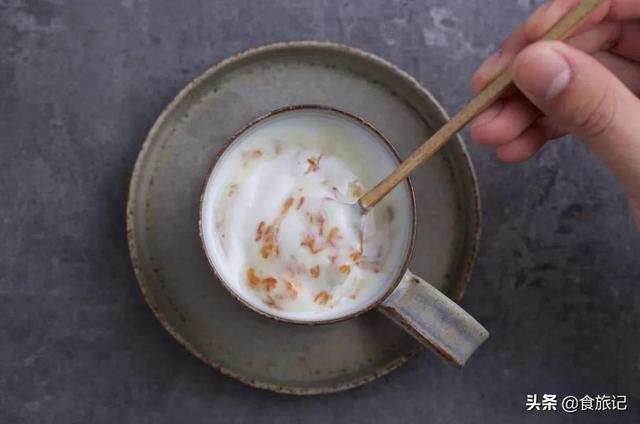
280, 223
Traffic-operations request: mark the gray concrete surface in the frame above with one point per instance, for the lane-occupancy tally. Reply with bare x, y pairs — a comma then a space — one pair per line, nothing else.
81, 81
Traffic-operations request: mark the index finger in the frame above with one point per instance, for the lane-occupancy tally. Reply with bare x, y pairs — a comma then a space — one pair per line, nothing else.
538, 23
614, 10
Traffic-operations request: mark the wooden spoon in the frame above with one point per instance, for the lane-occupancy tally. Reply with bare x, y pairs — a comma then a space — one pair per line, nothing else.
483, 100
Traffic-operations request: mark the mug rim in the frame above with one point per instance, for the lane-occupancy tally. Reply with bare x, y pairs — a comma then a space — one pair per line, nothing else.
397, 278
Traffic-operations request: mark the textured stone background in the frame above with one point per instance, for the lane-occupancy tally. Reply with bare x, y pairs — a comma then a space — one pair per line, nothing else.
81, 81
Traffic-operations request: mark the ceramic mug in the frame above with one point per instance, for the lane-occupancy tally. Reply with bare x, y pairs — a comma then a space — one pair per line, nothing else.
422, 310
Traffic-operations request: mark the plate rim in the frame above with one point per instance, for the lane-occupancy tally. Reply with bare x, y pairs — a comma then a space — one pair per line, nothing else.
474, 232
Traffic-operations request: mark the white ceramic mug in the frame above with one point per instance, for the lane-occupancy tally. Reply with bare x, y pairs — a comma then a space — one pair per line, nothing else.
421, 309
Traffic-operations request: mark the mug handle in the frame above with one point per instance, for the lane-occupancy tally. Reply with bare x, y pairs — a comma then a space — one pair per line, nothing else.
434, 319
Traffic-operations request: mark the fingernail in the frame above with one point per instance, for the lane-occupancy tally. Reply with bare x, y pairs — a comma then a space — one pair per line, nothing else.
537, 24
488, 115
546, 16
542, 72
490, 67
553, 11
558, 84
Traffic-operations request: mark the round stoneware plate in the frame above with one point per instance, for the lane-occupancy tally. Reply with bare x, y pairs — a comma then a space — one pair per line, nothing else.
162, 214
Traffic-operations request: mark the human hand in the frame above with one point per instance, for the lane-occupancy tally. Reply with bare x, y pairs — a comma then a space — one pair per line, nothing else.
588, 85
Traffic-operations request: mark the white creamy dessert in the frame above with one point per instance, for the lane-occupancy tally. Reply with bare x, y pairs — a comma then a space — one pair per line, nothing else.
280, 220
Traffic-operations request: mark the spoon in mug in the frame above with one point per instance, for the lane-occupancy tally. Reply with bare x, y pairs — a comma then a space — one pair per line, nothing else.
473, 108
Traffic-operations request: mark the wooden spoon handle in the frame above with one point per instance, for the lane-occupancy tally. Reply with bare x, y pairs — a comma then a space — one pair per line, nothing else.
472, 109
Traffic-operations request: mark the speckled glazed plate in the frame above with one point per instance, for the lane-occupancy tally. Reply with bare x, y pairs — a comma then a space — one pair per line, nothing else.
162, 214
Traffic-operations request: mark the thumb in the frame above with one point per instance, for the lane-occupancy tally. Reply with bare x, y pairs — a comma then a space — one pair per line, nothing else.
580, 95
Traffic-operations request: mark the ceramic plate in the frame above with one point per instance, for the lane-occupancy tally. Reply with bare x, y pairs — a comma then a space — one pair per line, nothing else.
162, 214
